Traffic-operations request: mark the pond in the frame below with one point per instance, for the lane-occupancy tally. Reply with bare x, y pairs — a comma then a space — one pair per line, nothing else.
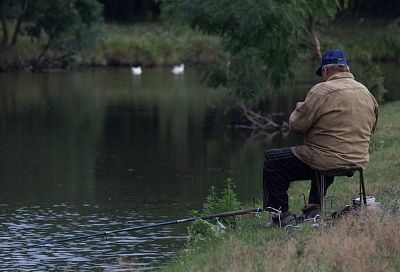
96, 150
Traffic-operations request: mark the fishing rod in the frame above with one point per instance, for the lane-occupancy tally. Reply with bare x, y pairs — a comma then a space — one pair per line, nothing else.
151, 225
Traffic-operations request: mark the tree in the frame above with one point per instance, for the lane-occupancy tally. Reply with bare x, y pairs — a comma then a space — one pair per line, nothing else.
321, 12
12, 10
264, 42
67, 27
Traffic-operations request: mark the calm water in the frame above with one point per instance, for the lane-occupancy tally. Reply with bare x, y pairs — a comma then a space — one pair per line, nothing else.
88, 151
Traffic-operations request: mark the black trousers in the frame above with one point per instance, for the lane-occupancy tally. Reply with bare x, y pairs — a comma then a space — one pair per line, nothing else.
281, 167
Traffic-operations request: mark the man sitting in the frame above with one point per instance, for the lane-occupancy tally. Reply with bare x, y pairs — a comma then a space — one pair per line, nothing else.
337, 119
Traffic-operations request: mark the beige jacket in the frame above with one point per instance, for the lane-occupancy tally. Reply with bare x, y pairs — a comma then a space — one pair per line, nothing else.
337, 118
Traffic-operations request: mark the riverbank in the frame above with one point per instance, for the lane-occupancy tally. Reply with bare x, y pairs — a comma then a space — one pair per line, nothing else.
154, 46
147, 45
369, 242
161, 44
165, 45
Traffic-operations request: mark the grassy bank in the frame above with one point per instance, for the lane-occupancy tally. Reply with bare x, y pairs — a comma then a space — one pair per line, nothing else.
369, 242
161, 44
147, 45
158, 44
154, 45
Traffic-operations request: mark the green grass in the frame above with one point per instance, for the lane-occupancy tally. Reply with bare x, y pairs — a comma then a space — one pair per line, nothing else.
152, 45
163, 45
127, 45
369, 242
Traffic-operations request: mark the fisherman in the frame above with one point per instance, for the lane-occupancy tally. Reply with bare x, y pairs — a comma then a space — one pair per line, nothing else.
337, 119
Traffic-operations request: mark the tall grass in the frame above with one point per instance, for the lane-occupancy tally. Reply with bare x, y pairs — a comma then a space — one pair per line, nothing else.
163, 45
368, 242
153, 45
125, 45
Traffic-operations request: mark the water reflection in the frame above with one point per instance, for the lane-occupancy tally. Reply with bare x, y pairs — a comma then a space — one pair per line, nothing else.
97, 150
30, 226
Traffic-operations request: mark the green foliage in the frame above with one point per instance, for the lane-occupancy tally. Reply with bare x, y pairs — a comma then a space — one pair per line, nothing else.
202, 231
383, 46
11, 8
226, 201
62, 27
391, 40
124, 45
211, 202
261, 39
374, 43
264, 40
325, 10
155, 45
69, 25
201, 49
366, 70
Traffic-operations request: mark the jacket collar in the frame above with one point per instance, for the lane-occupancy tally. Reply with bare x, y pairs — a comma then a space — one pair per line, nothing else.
340, 75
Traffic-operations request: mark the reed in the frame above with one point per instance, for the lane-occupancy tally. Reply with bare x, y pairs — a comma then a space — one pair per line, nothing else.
153, 45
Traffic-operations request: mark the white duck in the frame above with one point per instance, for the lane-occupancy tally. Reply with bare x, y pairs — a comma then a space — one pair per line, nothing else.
178, 69
136, 70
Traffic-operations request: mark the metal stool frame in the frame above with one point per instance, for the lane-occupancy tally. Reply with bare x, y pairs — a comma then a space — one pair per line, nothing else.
349, 172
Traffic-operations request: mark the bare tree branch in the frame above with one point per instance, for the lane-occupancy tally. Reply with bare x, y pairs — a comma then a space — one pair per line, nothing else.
46, 47
50, 61
314, 38
260, 122
17, 28
3, 23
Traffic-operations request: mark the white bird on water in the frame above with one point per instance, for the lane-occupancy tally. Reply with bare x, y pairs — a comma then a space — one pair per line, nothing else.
136, 70
178, 69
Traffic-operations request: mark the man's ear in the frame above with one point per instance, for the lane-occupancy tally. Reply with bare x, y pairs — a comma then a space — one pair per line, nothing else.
323, 72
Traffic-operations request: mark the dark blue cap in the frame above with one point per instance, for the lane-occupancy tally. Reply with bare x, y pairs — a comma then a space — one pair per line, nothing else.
333, 57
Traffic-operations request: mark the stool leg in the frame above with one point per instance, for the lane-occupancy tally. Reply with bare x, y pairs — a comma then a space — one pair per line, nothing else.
322, 195
362, 188
320, 180
360, 191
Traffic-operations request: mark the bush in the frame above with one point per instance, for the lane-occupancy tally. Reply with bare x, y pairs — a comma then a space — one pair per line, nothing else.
227, 201
150, 45
202, 231
389, 46
369, 73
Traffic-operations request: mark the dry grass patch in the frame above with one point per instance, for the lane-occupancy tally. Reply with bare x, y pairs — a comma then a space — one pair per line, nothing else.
279, 256
369, 242
379, 187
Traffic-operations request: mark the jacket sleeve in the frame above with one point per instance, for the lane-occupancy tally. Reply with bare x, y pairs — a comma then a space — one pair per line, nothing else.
304, 116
